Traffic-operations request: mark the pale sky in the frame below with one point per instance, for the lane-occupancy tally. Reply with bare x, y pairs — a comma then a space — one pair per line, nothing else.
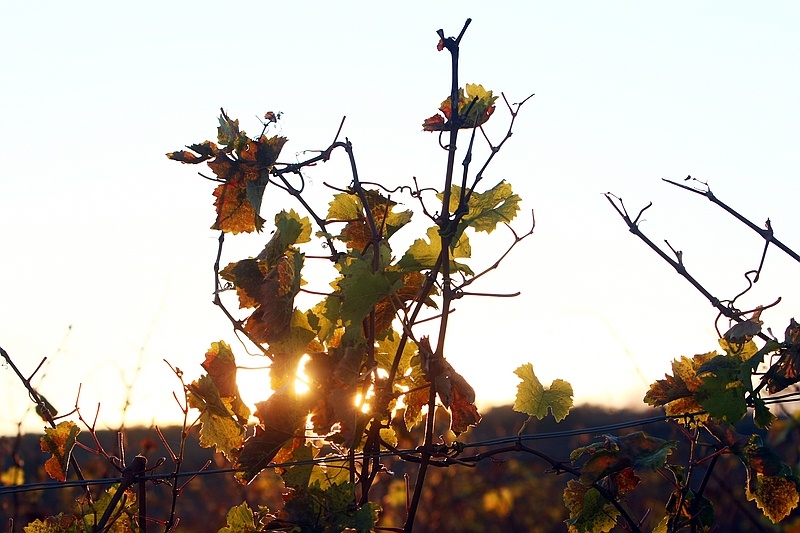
107, 237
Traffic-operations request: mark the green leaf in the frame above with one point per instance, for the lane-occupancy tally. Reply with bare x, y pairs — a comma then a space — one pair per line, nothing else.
228, 133
324, 317
300, 335
722, 390
333, 472
298, 476
290, 229
423, 255
239, 520
485, 210
589, 512
361, 289
219, 426
343, 207
762, 416
533, 400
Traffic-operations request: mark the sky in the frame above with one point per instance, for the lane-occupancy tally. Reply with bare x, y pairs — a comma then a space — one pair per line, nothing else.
107, 253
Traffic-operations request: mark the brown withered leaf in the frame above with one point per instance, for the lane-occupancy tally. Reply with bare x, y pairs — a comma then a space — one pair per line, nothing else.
463, 412
271, 321
247, 276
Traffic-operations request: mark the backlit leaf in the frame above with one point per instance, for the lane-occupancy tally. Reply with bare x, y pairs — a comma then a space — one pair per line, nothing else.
722, 390
475, 106
362, 289
487, 209
281, 417
298, 476
589, 512
235, 212
239, 520
59, 442
242, 165
534, 400
423, 255
221, 427
677, 390
271, 321
290, 229
776, 496
463, 412
636, 450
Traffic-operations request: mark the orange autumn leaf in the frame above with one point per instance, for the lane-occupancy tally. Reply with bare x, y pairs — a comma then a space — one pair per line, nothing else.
235, 213
242, 165
59, 442
475, 106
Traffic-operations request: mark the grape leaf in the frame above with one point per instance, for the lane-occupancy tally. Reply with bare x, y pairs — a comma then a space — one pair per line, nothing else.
636, 450
357, 233
298, 476
589, 512
722, 390
533, 400
415, 400
463, 412
696, 509
787, 370
228, 133
676, 392
385, 354
330, 509
243, 165
247, 276
762, 416
271, 321
205, 150
423, 255
220, 427
474, 108
235, 213
59, 442
221, 367
60, 523
290, 229
281, 416
299, 338
485, 210
776, 496
239, 520
409, 291
362, 289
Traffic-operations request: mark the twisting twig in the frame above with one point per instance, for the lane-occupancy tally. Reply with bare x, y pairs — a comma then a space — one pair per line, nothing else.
43, 408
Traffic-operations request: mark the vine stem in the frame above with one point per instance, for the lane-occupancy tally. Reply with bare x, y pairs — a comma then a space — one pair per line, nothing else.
452, 46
